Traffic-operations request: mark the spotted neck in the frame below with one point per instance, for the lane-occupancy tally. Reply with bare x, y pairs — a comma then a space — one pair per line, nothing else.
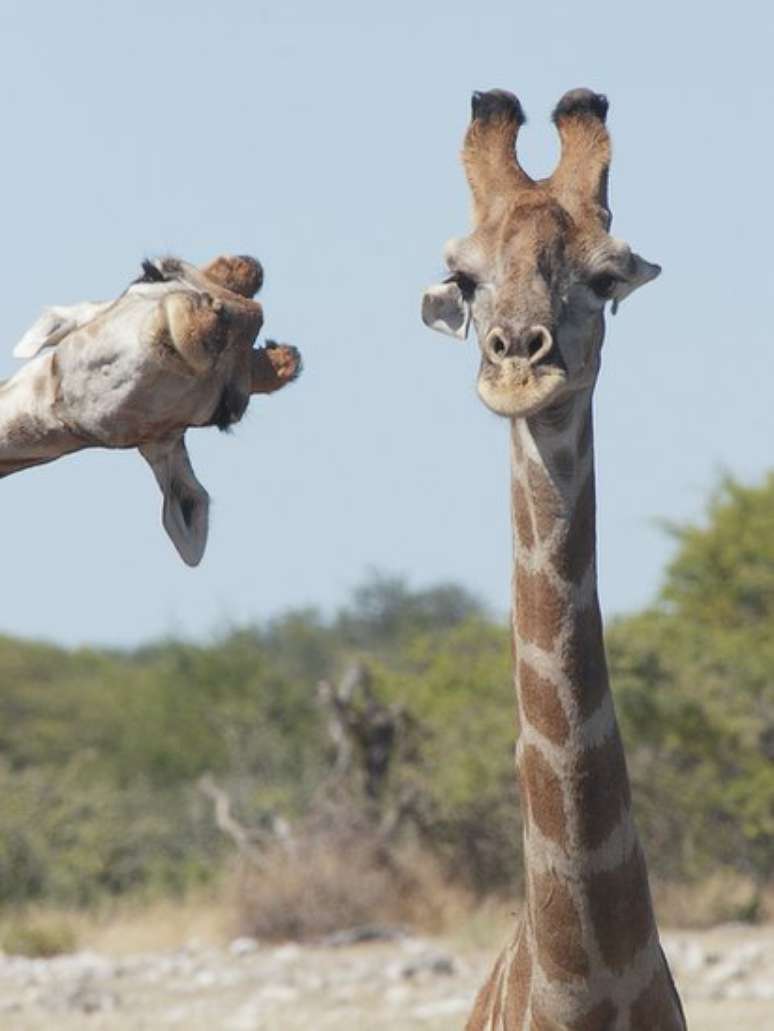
586, 955
31, 430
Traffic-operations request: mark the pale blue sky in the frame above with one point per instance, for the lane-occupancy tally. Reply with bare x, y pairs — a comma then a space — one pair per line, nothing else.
323, 138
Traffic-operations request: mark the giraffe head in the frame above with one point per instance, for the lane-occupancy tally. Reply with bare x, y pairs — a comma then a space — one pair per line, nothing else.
173, 351
535, 273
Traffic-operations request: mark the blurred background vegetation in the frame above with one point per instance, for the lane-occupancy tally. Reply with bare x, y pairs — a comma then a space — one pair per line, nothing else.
101, 753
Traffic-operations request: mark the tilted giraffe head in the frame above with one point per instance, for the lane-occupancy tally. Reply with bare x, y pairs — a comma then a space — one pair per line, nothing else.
174, 351
536, 271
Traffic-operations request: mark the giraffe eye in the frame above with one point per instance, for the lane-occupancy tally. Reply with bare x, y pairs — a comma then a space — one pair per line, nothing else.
466, 284
603, 285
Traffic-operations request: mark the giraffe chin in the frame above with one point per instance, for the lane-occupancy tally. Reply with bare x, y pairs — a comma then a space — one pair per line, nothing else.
516, 397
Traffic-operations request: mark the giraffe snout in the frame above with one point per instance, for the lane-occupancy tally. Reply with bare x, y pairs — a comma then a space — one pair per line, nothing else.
532, 344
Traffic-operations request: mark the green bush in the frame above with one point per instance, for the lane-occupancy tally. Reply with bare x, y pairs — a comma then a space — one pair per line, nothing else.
100, 751
37, 936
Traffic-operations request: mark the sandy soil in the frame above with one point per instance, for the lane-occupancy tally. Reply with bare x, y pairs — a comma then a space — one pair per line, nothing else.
726, 977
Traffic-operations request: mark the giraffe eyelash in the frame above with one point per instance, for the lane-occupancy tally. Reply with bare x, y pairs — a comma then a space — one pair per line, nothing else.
466, 283
603, 284
150, 274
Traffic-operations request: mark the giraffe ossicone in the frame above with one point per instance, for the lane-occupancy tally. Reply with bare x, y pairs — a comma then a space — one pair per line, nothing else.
533, 278
173, 351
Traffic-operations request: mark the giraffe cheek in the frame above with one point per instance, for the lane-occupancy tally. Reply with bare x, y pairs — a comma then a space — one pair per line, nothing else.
195, 330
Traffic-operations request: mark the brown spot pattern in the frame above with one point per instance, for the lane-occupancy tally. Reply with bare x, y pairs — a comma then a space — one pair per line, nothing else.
601, 790
542, 1022
522, 517
558, 932
523, 803
619, 902
657, 1007
541, 705
539, 608
517, 987
487, 996
546, 500
600, 1018
576, 551
584, 660
544, 796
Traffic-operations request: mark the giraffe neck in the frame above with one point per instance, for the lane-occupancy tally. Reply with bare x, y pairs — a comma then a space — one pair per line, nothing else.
586, 955
588, 907
571, 766
31, 430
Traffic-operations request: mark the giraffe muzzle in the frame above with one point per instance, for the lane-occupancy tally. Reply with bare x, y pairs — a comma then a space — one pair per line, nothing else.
532, 345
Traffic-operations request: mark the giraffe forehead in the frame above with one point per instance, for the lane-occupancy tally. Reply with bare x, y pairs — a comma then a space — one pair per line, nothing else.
536, 223
542, 238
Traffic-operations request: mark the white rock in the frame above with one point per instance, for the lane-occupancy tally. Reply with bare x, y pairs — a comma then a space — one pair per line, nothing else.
287, 953
397, 995
278, 993
205, 978
737, 990
442, 1008
727, 970
748, 955
243, 946
762, 989
688, 957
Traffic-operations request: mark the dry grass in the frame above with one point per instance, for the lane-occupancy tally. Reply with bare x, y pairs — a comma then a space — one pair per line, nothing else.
121, 927
166, 924
719, 899
38, 932
334, 883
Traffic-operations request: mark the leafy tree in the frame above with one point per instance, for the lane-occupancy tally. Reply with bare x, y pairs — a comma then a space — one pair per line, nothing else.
100, 751
695, 680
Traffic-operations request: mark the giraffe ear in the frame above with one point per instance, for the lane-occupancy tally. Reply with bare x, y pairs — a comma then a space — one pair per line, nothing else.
54, 325
185, 514
444, 308
639, 272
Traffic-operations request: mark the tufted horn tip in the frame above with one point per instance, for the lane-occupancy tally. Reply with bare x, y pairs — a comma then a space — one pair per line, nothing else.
581, 103
240, 273
496, 103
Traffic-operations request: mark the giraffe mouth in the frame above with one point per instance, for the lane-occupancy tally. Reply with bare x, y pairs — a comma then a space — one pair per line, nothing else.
516, 389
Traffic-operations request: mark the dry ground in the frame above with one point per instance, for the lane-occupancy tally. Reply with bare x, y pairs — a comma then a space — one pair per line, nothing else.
726, 976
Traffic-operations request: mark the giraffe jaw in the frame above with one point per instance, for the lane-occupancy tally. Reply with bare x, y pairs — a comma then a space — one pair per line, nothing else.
515, 389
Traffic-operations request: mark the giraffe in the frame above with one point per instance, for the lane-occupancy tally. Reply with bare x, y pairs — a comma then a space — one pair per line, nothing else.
533, 277
174, 350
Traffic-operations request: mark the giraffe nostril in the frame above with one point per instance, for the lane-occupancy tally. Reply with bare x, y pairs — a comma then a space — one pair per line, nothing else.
497, 345
534, 344
538, 344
